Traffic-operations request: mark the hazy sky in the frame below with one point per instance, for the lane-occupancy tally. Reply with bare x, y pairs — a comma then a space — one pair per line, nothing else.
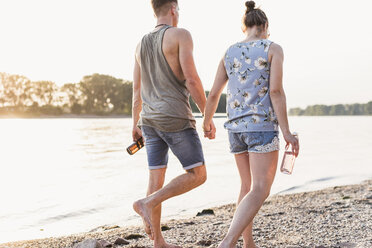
327, 44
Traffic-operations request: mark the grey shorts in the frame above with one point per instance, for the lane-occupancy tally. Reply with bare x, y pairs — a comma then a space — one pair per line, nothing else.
258, 142
185, 145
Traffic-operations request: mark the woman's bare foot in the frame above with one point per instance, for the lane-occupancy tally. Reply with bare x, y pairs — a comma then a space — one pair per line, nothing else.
145, 214
251, 244
166, 245
224, 244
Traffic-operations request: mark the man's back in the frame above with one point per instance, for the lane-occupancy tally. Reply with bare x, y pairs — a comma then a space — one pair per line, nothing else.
163, 88
171, 51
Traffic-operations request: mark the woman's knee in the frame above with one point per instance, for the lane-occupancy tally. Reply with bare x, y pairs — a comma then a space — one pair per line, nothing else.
263, 190
245, 188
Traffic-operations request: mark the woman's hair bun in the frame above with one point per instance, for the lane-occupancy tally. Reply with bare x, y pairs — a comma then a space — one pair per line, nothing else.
250, 5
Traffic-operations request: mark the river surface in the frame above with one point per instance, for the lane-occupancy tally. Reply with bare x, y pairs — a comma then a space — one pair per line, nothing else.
63, 176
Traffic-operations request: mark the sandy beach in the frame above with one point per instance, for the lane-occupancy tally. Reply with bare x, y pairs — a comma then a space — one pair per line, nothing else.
334, 217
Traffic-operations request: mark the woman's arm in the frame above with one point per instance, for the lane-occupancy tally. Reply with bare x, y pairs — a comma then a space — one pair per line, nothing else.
212, 101
277, 95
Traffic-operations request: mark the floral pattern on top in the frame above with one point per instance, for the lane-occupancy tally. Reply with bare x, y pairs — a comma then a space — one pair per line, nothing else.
249, 106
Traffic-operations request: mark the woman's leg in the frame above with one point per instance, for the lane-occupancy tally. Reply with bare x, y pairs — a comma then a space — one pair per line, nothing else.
263, 169
242, 162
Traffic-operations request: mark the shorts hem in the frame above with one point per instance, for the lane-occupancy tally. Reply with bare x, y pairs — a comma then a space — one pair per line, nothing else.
157, 167
189, 167
236, 153
251, 131
264, 151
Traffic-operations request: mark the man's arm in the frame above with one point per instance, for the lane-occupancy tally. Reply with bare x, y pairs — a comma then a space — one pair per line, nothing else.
137, 100
193, 82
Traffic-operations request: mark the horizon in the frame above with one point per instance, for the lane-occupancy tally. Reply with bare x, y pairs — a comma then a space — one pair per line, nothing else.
65, 41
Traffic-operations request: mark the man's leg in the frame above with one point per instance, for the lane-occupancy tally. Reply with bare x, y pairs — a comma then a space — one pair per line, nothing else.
156, 182
179, 185
157, 156
186, 146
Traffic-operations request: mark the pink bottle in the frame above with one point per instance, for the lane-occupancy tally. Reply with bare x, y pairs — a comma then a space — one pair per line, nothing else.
288, 159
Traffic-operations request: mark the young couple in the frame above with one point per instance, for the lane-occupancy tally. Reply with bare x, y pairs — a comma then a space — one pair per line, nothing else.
164, 78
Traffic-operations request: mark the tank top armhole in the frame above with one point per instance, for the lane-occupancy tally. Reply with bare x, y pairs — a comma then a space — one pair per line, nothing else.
268, 50
225, 56
140, 50
165, 59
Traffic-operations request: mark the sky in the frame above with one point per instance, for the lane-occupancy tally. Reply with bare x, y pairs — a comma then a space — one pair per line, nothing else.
326, 43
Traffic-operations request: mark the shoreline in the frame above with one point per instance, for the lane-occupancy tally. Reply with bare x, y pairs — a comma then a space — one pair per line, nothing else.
332, 217
87, 116
65, 116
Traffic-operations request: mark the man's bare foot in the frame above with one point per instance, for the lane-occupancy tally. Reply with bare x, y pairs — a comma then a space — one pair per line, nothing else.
148, 230
145, 214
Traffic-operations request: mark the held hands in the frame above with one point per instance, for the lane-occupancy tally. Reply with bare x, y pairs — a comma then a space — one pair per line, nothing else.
209, 130
291, 139
136, 133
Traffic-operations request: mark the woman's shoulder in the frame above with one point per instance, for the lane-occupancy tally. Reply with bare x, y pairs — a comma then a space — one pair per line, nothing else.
275, 48
235, 47
254, 43
263, 43
229, 50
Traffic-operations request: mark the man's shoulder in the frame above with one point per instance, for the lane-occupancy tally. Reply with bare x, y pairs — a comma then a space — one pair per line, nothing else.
180, 32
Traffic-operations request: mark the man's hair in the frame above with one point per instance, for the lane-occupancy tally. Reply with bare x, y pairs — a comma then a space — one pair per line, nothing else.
161, 7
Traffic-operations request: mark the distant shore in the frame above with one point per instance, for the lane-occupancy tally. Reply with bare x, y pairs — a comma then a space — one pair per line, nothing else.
83, 116
64, 116
333, 217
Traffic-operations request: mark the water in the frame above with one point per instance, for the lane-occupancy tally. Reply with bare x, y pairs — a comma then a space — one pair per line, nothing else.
63, 176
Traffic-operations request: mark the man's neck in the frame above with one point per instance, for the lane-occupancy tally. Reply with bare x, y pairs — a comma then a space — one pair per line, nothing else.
165, 20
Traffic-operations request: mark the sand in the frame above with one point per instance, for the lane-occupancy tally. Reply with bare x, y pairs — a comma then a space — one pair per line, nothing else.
334, 217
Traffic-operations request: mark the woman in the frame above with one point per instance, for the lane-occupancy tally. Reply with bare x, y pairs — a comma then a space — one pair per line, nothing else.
256, 104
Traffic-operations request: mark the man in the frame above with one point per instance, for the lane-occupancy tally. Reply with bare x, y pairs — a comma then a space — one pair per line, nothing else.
164, 77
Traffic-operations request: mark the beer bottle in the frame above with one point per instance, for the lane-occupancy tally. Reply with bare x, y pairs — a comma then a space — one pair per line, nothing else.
136, 146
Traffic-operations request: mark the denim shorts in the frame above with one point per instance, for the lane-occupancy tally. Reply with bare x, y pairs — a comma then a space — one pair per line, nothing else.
257, 142
185, 145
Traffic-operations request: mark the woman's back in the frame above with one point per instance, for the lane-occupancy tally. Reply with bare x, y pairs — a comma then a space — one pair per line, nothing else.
249, 107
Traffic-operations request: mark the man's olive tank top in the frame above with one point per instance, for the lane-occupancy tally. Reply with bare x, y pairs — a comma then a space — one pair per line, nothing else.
165, 98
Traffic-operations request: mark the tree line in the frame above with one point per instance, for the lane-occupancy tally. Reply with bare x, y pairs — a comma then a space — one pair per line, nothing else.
338, 109
95, 94
100, 94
